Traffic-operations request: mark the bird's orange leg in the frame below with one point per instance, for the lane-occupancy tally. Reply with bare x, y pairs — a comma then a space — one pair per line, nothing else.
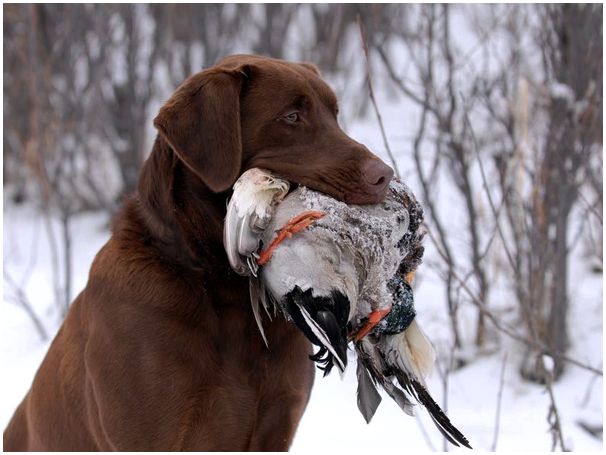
294, 225
373, 319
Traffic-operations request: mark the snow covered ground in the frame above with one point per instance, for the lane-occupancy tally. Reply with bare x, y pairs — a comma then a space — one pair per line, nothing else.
332, 421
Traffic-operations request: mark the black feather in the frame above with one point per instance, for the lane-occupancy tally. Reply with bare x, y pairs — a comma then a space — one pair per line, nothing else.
410, 388
368, 397
324, 359
384, 379
441, 420
330, 313
328, 322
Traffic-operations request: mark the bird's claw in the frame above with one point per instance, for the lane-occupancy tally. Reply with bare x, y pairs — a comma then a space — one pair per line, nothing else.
251, 261
373, 319
294, 225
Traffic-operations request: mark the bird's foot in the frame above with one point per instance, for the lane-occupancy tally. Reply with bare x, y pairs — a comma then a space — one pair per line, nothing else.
294, 225
373, 319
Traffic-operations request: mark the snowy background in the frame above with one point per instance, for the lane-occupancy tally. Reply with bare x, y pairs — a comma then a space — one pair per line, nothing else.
481, 384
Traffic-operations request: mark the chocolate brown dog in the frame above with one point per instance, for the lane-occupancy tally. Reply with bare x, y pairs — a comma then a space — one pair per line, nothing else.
161, 351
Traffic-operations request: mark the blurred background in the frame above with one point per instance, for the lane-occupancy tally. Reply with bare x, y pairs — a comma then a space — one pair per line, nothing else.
493, 115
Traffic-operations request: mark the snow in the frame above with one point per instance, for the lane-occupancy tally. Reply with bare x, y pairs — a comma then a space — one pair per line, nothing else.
332, 421
562, 91
548, 363
28, 259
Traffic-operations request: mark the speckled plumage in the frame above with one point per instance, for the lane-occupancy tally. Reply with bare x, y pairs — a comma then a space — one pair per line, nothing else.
331, 277
357, 249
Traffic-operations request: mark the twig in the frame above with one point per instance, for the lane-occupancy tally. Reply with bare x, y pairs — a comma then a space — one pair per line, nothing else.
33, 255
553, 416
54, 251
494, 209
529, 318
22, 300
535, 344
373, 100
444, 376
67, 260
424, 433
498, 411
578, 236
591, 208
587, 395
403, 88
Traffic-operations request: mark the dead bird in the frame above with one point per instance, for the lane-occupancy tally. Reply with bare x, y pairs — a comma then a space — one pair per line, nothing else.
342, 273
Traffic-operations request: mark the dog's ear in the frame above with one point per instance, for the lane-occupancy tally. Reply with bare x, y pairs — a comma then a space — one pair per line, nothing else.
201, 122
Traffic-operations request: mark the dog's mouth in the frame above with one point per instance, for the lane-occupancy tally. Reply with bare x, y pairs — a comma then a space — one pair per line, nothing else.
345, 185
351, 193
293, 187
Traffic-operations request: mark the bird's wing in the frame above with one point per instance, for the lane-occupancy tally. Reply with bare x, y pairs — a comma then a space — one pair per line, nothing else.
373, 362
321, 335
368, 397
249, 212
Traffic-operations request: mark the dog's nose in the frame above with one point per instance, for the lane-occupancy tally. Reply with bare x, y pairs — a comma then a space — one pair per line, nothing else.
377, 174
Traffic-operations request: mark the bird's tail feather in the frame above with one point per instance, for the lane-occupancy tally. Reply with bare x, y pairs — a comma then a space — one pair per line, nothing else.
410, 351
441, 420
367, 396
374, 365
421, 350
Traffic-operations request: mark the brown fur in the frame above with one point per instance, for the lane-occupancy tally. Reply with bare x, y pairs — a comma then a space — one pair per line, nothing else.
161, 351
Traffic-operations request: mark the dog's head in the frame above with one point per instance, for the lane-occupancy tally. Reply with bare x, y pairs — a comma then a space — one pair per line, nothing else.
251, 111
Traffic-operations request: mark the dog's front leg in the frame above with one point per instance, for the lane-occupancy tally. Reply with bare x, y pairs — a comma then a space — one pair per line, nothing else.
277, 423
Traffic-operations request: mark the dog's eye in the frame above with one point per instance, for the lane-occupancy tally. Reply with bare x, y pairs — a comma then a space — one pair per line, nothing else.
293, 117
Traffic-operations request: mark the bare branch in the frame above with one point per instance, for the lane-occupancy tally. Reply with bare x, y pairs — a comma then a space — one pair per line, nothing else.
373, 99
495, 437
424, 433
553, 416
20, 298
512, 333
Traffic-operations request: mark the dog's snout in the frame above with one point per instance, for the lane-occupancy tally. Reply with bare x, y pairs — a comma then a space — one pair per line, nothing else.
377, 174
372, 184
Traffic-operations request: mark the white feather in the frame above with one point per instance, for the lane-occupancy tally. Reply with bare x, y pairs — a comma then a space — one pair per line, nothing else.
255, 298
256, 192
249, 212
410, 351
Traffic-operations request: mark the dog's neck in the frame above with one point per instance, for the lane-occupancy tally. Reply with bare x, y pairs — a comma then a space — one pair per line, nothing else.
179, 211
